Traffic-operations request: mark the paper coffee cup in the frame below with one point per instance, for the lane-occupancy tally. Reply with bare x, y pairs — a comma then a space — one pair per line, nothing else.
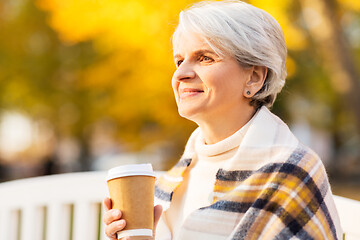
131, 189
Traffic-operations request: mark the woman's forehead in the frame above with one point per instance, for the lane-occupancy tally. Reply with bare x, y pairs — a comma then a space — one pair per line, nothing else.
188, 40
191, 40
194, 42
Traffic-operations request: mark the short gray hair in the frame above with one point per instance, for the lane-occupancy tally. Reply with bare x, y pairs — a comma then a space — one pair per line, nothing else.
250, 35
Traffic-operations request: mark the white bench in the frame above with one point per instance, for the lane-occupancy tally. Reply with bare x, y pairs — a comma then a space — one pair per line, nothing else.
56, 207
69, 206
349, 213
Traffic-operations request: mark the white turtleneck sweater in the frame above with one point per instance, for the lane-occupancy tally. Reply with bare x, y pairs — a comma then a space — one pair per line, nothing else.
197, 187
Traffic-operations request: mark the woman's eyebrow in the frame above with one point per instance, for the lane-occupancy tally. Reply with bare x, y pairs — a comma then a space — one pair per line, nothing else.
177, 56
204, 51
198, 52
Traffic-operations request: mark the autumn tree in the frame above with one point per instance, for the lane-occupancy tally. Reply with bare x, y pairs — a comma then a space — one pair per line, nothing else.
78, 63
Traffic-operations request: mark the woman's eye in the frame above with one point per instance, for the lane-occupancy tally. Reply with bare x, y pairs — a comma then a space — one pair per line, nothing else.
178, 62
205, 59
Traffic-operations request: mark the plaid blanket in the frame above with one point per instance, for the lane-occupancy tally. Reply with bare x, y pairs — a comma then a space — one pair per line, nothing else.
273, 188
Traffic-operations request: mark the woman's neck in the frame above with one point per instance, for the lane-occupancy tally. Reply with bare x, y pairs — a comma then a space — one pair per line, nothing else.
215, 129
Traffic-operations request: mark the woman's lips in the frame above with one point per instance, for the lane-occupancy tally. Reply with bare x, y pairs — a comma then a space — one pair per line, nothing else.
189, 92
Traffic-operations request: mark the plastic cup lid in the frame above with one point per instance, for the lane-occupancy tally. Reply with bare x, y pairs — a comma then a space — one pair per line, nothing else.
131, 170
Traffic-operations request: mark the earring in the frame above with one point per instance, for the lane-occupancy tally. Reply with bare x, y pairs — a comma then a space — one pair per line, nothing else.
248, 92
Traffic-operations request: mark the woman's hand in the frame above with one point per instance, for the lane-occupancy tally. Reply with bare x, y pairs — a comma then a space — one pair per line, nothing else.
114, 223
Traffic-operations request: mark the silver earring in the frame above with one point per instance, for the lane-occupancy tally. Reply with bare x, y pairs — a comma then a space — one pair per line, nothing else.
248, 92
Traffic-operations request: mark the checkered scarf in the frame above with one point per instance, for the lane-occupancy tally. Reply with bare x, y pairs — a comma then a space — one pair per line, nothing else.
273, 188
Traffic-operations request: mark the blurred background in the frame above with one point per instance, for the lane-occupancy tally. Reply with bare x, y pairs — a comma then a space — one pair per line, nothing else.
85, 85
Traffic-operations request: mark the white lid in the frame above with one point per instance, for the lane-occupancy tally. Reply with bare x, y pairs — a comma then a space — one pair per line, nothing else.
131, 170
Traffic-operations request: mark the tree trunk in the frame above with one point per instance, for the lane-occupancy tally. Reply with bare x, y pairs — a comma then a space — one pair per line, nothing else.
324, 27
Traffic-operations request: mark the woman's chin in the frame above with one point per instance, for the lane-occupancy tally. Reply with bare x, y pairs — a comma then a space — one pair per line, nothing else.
189, 114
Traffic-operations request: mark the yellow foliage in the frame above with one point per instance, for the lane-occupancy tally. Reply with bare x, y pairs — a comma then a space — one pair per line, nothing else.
74, 20
132, 79
133, 22
290, 66
350, 4
294, 36
134, 34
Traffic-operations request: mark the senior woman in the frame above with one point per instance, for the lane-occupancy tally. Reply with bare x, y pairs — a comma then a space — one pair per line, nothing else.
243, 174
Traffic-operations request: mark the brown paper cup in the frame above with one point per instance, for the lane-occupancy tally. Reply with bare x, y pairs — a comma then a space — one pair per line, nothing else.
131, 189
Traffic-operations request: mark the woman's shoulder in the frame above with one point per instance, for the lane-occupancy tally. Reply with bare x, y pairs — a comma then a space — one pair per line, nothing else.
301, 162
303, 166
305, 158
301, 156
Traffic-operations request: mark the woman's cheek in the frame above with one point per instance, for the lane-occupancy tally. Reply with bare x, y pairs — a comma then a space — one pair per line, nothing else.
175, 87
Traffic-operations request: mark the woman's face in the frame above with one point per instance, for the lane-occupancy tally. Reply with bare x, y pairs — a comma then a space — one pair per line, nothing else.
205, 84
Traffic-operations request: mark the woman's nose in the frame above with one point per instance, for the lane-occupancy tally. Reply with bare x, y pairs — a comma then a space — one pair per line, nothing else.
184, 72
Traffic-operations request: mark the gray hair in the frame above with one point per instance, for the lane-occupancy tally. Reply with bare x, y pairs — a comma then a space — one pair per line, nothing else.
250, 35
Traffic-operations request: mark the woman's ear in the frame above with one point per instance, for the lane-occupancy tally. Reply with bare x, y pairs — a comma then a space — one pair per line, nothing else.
255, 81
